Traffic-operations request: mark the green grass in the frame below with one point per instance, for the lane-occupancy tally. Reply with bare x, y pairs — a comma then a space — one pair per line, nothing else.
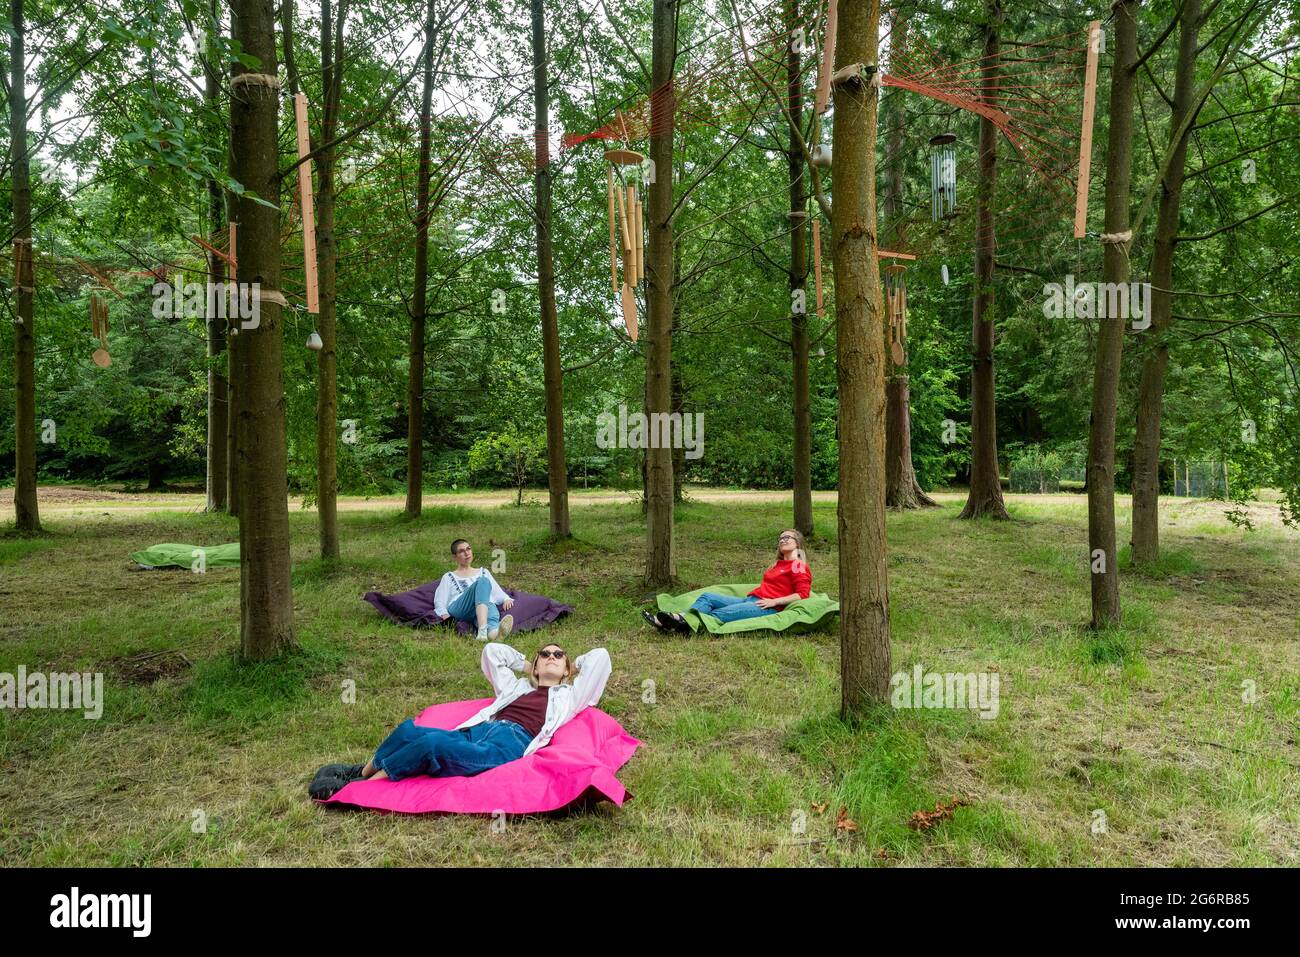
746, 761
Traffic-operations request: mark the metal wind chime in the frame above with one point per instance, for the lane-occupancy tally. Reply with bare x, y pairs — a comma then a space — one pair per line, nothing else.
943, 176
626, 221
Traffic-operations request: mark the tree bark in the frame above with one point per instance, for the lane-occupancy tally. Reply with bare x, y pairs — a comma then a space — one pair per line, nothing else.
1110, 336
556, 466
902, 490
266, 593
799, 370
1151, 389
218, 479
25, 507
415, 382
327, 480
660, 565
863, 572
985, 497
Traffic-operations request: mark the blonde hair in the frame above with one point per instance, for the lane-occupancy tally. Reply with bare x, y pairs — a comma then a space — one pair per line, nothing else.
571, 670
799, 554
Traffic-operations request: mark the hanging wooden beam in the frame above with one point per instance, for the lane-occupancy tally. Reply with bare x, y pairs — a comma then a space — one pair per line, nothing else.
94, 274
308, 207
817, 259
828, 61
232, 260
613, 246
889, 254
229, 260
1085, 135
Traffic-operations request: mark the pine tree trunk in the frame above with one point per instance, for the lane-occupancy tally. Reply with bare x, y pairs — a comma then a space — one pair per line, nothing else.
218, 479
556, 466
266, 594
660, 566
863, 573
1110, 336
415, 383
25, 507
902, 490
1151, 389
799, 370
985, 497
327, 481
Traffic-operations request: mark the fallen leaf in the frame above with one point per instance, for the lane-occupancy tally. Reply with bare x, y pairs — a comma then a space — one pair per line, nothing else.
843, 822
819, 808
925, 820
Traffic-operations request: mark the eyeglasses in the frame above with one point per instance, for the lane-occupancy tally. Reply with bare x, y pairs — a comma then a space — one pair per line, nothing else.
787, 538
557, 654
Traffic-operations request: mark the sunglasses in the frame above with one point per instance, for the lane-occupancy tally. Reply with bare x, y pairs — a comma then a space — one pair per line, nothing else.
557, 655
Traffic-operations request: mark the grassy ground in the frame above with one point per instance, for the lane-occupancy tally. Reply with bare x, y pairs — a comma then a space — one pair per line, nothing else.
1146, 724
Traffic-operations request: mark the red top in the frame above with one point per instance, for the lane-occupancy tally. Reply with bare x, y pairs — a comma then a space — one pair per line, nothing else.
528, 710
786, 577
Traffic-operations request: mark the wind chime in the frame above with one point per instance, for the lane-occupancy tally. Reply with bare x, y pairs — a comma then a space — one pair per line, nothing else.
99, 329
943, 176
896, 307
626, 217
306, 203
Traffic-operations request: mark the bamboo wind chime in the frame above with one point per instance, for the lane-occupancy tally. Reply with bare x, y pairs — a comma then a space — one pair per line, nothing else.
896, 309
99, 329
626, 217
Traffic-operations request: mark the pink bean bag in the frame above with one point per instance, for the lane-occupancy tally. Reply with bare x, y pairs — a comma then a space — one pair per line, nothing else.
584, 754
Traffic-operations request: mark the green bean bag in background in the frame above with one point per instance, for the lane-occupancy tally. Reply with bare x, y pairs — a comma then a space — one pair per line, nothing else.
172, 555
806, 614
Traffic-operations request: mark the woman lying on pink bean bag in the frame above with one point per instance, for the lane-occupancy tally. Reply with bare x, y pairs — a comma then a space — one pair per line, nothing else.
525, 714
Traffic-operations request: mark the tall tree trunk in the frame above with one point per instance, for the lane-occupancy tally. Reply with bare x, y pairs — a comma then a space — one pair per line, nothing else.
902, 490
235, 377
327, 479
985, 497
415, 383
28, 517
1151, 390
218, 479
266, 592
660, 563
803, 515
1110, 336
860, 350
556, 466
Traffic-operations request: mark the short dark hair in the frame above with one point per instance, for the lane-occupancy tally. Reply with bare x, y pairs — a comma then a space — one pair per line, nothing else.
457, 542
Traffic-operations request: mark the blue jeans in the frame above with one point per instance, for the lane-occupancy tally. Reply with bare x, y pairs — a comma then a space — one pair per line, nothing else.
412, 749
479, 593
725, 608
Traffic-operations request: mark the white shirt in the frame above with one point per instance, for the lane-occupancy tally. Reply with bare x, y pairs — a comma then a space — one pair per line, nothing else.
500, 664
451, 586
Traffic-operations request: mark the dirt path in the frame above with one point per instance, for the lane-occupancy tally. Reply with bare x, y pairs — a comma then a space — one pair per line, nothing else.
69, 500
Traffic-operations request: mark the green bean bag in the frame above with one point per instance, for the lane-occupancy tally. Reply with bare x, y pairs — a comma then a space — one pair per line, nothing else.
173, 555
806, 614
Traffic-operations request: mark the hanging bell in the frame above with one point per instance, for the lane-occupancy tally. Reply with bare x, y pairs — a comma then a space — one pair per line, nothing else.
314, 342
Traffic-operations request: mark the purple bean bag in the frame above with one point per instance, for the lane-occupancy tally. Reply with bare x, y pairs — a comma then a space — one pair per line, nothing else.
581, 761
415, 608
